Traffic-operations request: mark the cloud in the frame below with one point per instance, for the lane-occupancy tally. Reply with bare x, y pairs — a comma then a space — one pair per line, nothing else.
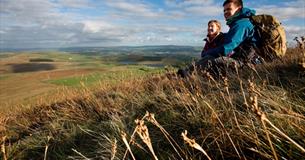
41, 23
134, 9
37, 36
173, 10
185, 3
284, 10
75, 3
295, 3
204, 10
96, 26
63, 23
294, 31
283, 13
196, 7
26, 12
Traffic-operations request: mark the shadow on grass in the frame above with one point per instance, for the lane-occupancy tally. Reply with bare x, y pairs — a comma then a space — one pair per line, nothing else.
31, 67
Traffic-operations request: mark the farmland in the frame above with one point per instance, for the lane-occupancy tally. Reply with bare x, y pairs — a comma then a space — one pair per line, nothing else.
26, 77
111, 107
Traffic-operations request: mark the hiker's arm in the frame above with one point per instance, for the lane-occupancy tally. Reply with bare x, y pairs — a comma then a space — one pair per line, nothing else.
234, 38
204, 49
215, 52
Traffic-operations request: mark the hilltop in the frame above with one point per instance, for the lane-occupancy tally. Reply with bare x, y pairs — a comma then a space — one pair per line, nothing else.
256, 113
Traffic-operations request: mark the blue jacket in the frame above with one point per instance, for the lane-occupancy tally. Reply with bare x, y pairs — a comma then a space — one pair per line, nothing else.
241, 30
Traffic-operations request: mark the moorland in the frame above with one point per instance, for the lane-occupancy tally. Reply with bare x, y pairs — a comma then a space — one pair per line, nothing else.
128, 103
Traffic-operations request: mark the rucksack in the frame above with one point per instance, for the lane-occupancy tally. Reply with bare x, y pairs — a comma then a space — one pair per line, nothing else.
271, 37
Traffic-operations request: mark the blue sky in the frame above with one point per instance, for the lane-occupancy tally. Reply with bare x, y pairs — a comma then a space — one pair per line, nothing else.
66, 23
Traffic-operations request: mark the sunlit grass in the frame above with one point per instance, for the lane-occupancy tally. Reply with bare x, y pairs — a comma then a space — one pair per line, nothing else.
105, 77
255, 114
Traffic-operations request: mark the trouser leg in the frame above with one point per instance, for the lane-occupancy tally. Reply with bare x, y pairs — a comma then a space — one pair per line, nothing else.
223, 65
201, 64
215, 66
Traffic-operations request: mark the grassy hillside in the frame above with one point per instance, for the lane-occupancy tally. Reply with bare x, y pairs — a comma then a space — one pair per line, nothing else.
29, 76
256, 113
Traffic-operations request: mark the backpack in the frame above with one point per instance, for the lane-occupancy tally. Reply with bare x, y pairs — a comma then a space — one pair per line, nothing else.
271, 37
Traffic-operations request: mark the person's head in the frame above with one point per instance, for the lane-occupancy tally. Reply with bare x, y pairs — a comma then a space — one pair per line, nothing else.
231, 7
214, 27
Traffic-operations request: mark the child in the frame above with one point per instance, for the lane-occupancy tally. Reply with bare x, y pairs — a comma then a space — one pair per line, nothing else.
214, 38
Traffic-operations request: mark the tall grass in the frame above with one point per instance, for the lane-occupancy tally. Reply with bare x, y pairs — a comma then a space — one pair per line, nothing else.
256, 113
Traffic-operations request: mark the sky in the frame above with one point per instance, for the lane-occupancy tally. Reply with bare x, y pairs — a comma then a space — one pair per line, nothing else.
95, 23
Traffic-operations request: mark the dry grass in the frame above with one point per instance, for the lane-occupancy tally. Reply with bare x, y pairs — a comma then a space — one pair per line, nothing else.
255, 114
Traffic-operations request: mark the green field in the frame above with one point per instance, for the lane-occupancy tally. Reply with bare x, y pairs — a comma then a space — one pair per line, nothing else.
97, 107
106, 76
26, 76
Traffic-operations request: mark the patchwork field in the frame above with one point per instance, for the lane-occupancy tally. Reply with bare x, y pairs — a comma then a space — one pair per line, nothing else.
27, 77
84, 106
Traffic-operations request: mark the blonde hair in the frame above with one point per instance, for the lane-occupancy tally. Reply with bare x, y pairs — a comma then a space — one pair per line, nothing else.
218, 24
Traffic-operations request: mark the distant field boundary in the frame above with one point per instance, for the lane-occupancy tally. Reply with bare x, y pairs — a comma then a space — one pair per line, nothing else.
41, 60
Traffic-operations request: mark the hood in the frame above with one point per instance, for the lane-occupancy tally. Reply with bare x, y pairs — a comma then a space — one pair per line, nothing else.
244, 13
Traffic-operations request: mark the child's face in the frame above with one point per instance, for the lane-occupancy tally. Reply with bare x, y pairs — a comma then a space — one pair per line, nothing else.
212, 29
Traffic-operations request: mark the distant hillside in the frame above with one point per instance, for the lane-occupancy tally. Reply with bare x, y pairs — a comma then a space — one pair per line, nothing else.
157, 48
251, 113
165, 49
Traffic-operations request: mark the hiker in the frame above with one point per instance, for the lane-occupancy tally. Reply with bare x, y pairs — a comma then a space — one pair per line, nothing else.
239, 43
214, 37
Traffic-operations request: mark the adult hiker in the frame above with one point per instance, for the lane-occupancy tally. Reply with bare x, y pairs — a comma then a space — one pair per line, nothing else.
239, 43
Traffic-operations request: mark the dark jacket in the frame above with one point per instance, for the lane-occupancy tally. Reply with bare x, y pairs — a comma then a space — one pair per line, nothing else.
241, 32
210, 44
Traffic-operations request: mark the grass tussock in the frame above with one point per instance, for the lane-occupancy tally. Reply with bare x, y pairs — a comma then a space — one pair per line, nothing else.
251, 113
